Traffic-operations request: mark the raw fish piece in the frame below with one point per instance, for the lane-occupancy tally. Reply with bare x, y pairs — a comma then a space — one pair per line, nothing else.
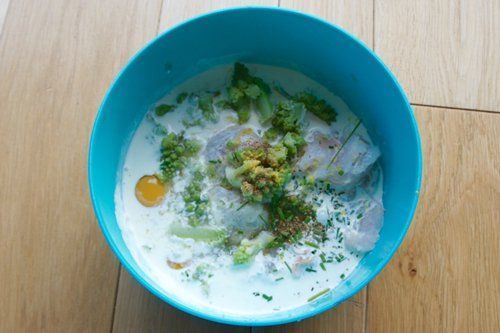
217, 145
349, 166
242, 220
363, 233
217, 149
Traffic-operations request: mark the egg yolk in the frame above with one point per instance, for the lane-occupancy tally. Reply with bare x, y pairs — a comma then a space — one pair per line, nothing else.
150, 191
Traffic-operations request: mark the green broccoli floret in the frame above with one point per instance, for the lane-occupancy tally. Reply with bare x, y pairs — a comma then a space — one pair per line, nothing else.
271, 134
205, 103
176, 151
250, 247
294, 144
246, 89
162, 109
319, 107
288, 117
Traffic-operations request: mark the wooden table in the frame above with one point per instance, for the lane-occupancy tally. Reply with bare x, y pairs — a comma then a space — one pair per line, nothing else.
57, 58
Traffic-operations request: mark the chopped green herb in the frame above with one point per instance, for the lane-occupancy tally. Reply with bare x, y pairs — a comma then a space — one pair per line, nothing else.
342, 276
279, 279
309, 269
267, 297
288, 266
311, 244
243, 205
340, 257
322, 265
346, 140
315, 296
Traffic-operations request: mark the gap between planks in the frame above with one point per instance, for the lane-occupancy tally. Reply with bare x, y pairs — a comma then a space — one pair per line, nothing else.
455, 108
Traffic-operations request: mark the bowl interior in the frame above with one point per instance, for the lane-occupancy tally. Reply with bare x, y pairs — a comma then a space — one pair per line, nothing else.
269, 36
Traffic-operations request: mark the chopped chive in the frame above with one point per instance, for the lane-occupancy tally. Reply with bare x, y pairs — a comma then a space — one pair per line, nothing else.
279, 279
340, 257
287, 266
263, 220
322, 256
256, 293
243, 205
342, 275
267, 297
315, 296
322, 265
311, 244
309, 269
343, 143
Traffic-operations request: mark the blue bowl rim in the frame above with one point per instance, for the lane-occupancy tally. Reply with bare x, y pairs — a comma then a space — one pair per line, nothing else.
266, 321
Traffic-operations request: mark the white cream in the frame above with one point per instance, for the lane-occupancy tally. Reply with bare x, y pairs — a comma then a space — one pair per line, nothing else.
230, 289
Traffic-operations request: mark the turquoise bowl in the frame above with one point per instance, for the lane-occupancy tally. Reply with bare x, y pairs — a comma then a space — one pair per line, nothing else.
277, 37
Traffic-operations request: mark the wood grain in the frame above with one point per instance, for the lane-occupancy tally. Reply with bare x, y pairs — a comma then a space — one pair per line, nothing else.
354, 16
446, 277
174, 11
445, 52
4, 6
57, 58
348, 317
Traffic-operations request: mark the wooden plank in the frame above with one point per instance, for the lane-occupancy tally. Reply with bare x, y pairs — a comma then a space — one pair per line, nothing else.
4, 6
174, 12
348, 317
139, 311
445, 53
56, 61
446, 277
354, 16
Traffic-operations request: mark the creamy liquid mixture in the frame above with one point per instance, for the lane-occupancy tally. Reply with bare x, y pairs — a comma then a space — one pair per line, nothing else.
288, 278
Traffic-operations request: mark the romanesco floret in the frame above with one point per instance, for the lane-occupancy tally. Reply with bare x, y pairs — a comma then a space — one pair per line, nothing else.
175, 153
260, 172
250, 247
319, 107
277, 155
